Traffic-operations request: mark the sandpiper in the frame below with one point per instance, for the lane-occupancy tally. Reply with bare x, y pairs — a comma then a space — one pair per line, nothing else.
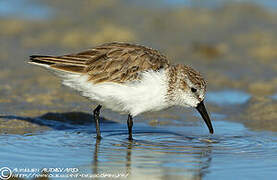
130, 79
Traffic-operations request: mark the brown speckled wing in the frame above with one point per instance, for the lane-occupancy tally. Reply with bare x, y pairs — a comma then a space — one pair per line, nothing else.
111, 62
121, 62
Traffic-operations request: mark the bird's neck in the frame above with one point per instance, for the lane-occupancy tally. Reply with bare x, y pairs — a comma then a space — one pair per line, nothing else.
173, 84
178, 88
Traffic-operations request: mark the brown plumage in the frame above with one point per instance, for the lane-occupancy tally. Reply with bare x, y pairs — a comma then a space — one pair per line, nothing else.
113, 62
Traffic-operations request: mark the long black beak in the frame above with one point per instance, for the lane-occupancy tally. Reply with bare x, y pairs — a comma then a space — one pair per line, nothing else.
202, 110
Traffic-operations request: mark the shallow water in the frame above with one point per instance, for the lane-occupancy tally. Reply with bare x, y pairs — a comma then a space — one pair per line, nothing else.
270, 4
227, 97
25, 9
274, 96
161, 152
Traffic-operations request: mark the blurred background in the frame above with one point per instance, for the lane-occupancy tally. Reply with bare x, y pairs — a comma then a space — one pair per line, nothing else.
232, 43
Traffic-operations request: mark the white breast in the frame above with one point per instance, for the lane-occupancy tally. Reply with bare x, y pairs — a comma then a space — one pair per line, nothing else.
136, 97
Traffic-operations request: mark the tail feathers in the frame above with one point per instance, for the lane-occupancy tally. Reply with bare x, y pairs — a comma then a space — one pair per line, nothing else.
58, 63
40, 60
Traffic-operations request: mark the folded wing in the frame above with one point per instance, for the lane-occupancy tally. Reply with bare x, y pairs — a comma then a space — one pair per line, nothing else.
111, 62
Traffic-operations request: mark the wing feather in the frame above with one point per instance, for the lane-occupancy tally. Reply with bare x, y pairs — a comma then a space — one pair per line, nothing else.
113, 62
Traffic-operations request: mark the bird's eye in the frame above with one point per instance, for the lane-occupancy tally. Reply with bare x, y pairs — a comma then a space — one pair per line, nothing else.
193, 90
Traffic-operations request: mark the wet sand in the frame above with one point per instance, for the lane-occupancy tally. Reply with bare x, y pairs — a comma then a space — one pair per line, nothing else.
231, 54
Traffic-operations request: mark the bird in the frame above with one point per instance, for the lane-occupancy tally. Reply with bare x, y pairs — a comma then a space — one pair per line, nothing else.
129, 79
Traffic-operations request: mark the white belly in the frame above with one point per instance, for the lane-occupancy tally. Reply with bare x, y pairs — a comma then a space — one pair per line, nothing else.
137, 97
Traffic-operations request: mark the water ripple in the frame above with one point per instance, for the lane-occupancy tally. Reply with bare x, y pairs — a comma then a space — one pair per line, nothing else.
174, 149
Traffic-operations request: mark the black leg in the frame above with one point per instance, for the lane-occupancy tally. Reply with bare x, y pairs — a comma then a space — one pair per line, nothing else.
96, 113
130, 126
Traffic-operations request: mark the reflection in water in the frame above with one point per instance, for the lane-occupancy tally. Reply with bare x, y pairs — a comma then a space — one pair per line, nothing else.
166, 159
96, 153
171, 152
129, 158
95, 157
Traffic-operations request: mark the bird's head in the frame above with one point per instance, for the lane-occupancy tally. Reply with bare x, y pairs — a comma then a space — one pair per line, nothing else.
187, 87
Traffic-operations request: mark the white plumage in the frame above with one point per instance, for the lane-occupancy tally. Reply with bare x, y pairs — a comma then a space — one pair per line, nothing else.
146, 94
